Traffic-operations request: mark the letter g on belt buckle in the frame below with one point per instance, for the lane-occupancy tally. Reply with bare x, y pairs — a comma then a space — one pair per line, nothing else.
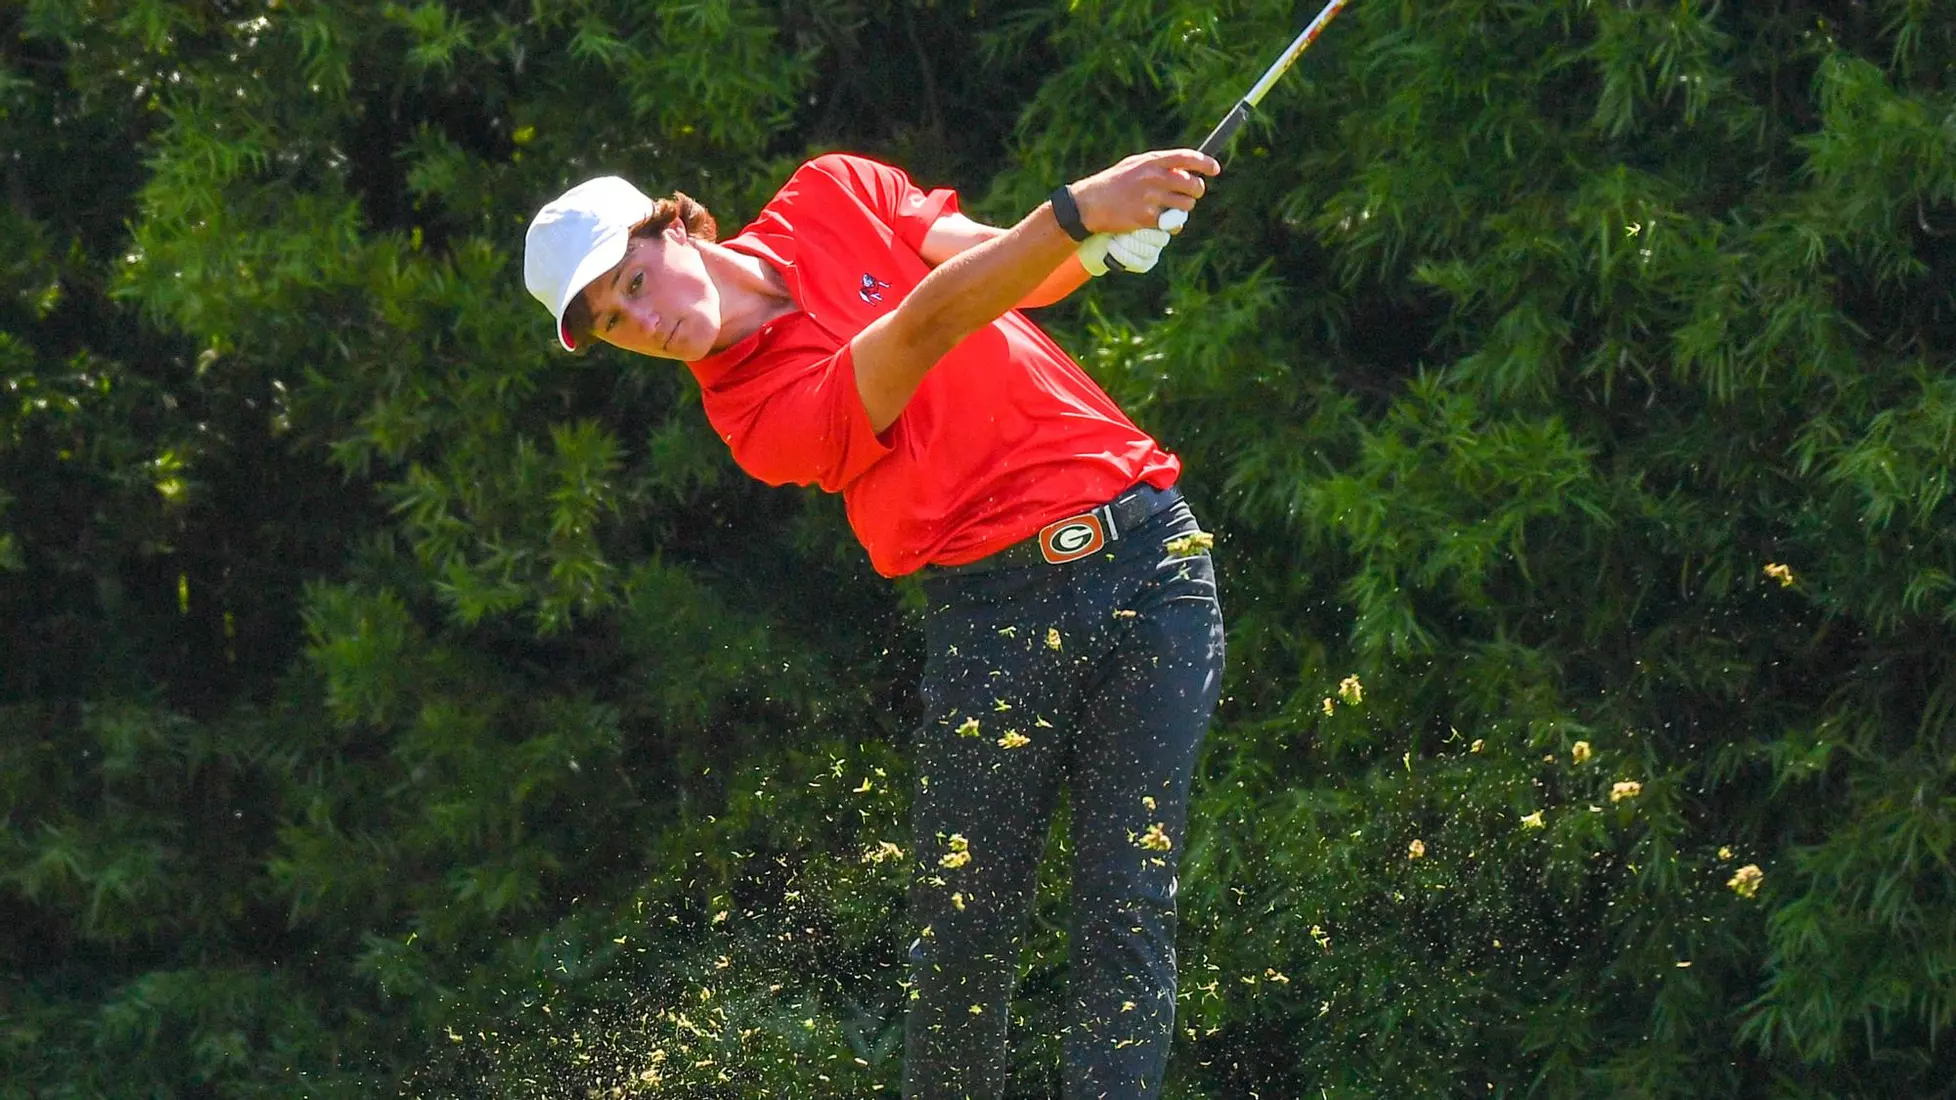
1072, 538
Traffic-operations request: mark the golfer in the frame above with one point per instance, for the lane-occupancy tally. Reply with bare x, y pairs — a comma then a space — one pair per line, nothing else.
864, 336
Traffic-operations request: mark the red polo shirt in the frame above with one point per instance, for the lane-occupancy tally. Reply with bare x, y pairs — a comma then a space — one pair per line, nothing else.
1005, 435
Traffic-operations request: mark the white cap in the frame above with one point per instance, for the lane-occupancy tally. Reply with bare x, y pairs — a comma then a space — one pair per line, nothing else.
579, 236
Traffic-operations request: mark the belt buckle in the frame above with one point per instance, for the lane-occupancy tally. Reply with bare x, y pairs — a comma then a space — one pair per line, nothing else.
1072, 538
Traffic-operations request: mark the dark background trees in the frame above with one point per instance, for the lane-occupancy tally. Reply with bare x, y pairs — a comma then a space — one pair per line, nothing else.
388, 703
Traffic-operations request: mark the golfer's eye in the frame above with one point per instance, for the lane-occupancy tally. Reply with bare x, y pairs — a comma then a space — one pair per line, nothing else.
638, 280
611, 322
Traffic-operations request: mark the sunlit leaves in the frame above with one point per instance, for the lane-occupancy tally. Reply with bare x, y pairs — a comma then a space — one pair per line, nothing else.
362, 642
438, 34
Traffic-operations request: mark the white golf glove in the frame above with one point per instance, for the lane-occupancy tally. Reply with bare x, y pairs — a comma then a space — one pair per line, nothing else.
1134, 251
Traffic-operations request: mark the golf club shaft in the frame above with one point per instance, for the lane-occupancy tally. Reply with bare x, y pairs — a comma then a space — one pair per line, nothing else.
1218, 138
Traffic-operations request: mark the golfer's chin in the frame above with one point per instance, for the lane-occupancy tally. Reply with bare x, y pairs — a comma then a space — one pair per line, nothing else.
692, 341
680, 343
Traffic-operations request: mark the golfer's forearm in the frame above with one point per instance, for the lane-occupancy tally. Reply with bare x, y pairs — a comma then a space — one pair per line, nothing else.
960, 296
977, 286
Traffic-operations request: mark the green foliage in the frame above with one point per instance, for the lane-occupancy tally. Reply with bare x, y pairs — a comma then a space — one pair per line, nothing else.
393, 704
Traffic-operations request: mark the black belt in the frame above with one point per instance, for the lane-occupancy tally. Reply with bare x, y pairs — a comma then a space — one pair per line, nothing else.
1074, 537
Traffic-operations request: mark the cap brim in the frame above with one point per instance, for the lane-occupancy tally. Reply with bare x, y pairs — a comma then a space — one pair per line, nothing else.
604, 256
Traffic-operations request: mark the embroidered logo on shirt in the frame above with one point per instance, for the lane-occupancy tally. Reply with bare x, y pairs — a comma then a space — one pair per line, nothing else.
872, 288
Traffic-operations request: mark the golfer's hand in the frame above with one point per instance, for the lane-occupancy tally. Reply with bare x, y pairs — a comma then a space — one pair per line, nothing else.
1134, 251
1132, 194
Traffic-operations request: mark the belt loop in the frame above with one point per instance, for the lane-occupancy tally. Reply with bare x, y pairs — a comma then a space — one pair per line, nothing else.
1108, 520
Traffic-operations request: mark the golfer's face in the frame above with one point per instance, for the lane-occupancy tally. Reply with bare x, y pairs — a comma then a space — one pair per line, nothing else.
658, 301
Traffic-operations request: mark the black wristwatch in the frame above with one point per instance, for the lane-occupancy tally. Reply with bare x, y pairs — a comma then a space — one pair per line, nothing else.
1067, 213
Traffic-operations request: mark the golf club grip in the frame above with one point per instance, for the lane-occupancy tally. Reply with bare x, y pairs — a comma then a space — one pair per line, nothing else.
1218, 138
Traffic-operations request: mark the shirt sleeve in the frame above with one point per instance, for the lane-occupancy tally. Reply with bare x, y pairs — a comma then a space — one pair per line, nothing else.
797, 419
888, 193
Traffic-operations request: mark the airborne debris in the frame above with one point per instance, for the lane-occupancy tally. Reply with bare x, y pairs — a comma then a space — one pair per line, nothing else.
1781, 573
1013, 739
1156, 839
1579, 752
1629, 788
1351, 691
1746, 880
1189, 545
960, 853
1416, 850
1533, 821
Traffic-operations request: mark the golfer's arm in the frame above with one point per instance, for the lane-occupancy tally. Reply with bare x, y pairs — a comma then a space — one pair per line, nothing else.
955, 233
962, 295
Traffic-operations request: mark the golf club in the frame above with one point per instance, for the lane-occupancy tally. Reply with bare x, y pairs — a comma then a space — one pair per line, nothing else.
1213, 145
